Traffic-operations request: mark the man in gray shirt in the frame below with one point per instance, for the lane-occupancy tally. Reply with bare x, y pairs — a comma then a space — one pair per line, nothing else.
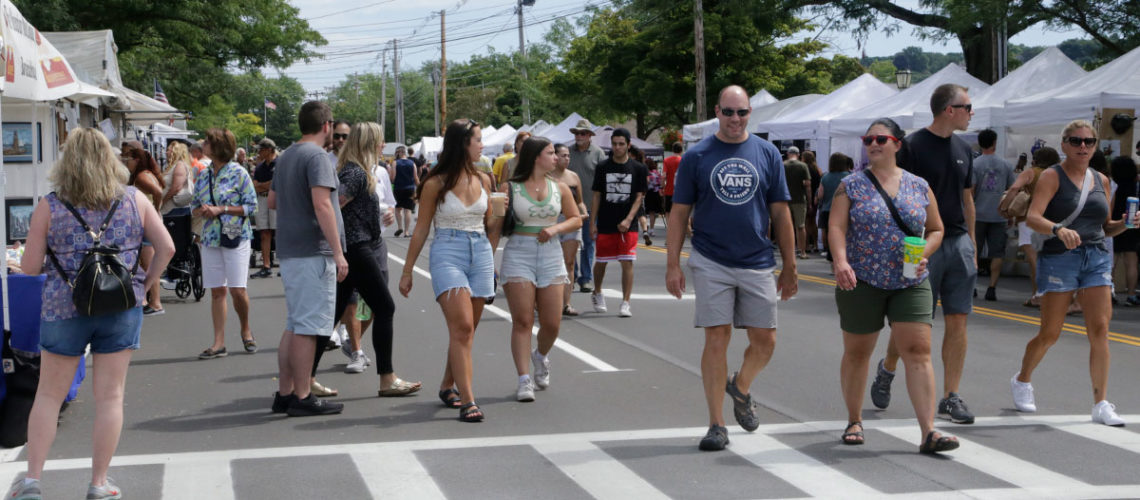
584, 159
310, 242
992, 177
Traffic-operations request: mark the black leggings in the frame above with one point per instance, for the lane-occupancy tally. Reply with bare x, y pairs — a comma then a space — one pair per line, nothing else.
368, 276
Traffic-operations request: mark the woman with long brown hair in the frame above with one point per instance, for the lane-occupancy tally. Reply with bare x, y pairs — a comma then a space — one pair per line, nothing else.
146, 176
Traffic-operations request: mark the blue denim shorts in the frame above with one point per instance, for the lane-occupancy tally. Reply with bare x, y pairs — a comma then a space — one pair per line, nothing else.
527, 260
462, 259
1081, 267
310, 294
107, 333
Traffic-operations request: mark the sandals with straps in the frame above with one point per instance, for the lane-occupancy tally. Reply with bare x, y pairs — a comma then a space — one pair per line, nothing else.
847, 436
932, 445
450, 398
470, 412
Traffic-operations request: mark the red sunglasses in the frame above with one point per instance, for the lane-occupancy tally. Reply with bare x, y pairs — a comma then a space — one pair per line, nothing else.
878, 139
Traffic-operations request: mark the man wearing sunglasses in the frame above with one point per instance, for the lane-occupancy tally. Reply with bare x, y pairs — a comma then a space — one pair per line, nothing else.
585, 156
946, 162
734, 187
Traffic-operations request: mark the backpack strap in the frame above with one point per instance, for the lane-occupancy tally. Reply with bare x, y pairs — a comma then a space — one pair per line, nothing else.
95, 237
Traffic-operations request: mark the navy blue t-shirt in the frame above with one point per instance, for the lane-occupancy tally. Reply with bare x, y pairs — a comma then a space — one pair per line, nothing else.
730, 187
405, 174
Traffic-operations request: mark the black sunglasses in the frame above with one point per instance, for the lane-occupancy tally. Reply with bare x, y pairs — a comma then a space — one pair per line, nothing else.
739, 112
967, 107
340, 136
879, 139
1076, 141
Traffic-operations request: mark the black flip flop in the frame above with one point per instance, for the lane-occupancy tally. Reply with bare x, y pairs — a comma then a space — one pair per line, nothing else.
450, 398
470, 412
858, 435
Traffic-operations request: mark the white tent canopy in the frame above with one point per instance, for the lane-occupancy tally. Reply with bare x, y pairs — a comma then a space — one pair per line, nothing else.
1114, 85
1049, 70
560, 134
696, 131
909, 108
493, 143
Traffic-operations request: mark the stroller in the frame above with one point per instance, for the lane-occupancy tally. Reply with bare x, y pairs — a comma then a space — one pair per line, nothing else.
185, 268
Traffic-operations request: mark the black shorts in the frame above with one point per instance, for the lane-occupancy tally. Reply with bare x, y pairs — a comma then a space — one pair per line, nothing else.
668, 203
824, 217
654, 203
992, 236
405, 198
1128, 241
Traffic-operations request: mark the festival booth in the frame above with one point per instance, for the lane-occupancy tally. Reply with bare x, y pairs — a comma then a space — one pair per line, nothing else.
811, 122
538, 125
1098, 96
493, 142
560, 133
694, 132
603, 134
909, 108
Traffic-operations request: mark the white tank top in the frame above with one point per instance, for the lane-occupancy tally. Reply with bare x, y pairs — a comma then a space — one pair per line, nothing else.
453, 214
532, 216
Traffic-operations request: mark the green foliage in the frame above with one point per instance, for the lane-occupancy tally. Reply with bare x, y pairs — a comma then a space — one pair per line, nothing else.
884, 70
246, 129
220, 113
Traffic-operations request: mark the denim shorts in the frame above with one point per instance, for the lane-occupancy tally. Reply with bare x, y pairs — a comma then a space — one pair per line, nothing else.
107, 333
310, 294
527, 260
1081, 267
462, 259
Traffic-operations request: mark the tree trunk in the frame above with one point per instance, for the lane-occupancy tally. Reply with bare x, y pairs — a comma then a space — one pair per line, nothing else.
978, 47
639, 118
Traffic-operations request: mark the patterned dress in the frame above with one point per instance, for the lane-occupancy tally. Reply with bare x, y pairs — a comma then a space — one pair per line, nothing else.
874, 240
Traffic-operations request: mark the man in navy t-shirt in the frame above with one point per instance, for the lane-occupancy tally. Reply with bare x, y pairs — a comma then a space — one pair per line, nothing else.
733, 185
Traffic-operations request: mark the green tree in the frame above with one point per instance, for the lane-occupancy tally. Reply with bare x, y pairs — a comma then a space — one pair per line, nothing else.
884, 70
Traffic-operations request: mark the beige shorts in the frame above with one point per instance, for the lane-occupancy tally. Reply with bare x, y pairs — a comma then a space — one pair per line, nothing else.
266, 218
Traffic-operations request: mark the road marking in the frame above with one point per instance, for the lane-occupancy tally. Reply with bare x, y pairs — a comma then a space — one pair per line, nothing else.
396, 475
596, 363
802, 471
595, 471
11, 454
197, 478
612, 293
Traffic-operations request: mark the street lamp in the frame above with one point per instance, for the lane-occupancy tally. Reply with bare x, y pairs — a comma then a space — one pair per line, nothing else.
902, 78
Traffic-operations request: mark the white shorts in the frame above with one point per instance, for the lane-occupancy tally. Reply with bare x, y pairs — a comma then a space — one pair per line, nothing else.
225, 267
1024, 234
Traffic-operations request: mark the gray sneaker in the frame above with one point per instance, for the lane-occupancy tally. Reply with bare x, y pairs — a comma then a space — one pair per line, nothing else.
881, 387
21, 491
954, 409
358, 364
108, 491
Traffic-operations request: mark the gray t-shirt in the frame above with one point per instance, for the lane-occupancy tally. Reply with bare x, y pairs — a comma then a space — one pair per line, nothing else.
992, 177
584, 163
299, 169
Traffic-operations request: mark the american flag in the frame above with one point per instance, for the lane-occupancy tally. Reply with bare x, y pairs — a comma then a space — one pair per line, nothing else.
269, 104
159, 95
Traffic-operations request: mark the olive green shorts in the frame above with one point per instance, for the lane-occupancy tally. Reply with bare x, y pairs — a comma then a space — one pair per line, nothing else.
862, 310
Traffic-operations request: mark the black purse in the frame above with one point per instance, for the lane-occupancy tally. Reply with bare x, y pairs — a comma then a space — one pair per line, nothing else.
890, 205
226, 241
103, 284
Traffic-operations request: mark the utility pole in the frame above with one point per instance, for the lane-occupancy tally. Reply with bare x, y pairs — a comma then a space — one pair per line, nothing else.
435, 97
399, 94
383, 94
443, 69
522, 61
699, 50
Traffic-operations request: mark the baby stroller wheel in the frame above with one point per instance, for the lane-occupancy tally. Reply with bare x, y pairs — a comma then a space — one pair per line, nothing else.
183, 288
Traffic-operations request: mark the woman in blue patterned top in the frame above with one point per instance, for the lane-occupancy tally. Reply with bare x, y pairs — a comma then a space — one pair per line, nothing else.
224, 196
867, 244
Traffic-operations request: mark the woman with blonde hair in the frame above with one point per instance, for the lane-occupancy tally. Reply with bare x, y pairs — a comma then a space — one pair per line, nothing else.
224, 196
366, 251
1070, 203
89, 180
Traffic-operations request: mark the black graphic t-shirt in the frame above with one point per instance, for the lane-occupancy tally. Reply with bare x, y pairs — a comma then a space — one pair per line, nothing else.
618, 185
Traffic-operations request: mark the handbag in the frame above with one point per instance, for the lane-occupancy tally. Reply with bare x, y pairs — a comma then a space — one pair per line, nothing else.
890, 205
231, 230
103, 284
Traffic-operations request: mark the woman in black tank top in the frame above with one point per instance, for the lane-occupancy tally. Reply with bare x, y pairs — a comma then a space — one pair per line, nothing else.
1075, 259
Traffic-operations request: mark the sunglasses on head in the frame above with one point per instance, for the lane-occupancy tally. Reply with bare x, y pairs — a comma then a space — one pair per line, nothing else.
340, 136
470, 125
878, 139
738, 112
1077, 141
967, 107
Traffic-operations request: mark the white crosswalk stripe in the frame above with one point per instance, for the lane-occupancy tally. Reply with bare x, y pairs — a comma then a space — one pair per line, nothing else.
392, 469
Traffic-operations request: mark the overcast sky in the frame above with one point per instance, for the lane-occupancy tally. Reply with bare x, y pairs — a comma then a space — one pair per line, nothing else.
358, 31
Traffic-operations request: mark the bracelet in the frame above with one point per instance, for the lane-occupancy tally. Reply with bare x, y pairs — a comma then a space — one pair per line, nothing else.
406, 273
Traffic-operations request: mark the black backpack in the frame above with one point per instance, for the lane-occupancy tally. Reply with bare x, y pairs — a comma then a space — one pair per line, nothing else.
103, 284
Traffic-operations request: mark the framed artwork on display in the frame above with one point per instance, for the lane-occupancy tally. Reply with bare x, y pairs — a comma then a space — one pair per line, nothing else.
16, 140
19, 213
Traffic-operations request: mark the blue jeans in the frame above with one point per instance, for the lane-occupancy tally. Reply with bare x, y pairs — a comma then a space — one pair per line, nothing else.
584, 268
107, 333
462, 259
1082, 267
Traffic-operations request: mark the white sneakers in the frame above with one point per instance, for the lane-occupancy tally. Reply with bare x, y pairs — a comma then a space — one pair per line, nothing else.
1105, 413
541, 369
526, 390
359, 361
599, 302
624, 311
1023, 395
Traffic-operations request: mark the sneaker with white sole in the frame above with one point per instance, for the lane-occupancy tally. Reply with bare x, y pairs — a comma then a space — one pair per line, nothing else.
108, 491
526, 390
599, 301
1022, 395
25, 490
1105, 413
624, 311
358, 364
541, 369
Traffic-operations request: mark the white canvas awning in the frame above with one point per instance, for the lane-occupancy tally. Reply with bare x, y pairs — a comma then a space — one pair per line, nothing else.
1114, 85
909, 108
696, 131
1049, 70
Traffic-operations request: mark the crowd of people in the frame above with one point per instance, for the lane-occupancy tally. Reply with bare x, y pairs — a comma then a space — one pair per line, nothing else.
904, 234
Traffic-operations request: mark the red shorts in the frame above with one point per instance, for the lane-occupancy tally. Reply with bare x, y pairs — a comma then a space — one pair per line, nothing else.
616, 246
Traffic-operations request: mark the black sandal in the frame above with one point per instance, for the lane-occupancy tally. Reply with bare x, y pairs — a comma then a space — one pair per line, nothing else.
858, 435
450, 398
470, 412
742, 406
931, 445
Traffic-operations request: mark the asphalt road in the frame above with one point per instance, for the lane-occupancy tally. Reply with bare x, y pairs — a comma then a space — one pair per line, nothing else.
621, 419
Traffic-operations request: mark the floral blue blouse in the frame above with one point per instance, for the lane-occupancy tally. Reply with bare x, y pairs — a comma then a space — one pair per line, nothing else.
232, 187
874, 240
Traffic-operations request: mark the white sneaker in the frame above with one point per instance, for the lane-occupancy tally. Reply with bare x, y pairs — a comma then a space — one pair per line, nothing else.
599, 301
1105, 413
1022, 395
541, 369
358, 363
526, 390
624, 310
346, 348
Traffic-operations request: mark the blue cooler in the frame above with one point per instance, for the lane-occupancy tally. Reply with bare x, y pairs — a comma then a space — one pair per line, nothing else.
25, 300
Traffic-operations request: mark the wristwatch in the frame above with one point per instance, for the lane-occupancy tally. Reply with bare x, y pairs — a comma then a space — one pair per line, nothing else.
1057, 227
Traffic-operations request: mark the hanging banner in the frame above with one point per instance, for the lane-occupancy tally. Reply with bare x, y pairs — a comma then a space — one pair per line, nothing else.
33, 68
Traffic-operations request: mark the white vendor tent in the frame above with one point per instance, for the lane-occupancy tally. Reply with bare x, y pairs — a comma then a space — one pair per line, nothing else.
560, 134
694, 132
493, 143
778, 109
1049, 70
429, 147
